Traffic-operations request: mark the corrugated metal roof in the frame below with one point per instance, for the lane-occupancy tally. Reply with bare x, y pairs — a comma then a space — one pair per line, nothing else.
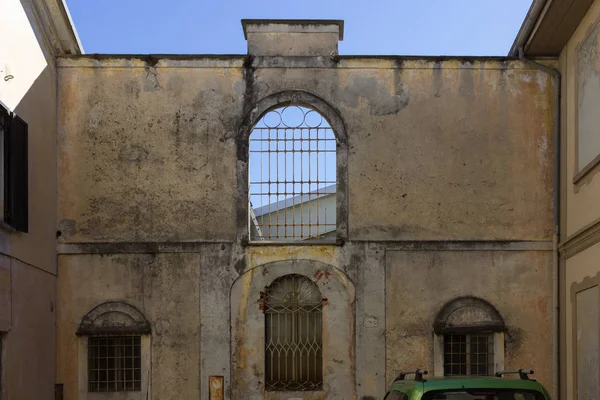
294, 201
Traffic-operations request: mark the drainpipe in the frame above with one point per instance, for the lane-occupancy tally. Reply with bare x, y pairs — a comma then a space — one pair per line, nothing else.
556, 204
531, 19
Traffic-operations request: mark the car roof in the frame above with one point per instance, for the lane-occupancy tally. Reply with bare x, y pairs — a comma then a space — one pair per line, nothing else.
460, 382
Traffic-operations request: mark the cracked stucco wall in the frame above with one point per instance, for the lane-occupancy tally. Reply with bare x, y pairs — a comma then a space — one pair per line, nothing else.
448, 194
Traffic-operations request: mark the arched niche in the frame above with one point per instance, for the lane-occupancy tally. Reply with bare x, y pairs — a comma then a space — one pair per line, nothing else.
114, 317
248, 330
468, 314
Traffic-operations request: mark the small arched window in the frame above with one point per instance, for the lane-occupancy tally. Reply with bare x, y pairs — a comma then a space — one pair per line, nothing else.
293, 335
292, 176
469, 337
116, 338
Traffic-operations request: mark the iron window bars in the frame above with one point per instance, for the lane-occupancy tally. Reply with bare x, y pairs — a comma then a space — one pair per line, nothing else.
293, 335
469, 354
292, 176
114, 364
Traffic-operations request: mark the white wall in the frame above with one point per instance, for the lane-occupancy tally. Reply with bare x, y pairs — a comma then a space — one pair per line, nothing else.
20, 54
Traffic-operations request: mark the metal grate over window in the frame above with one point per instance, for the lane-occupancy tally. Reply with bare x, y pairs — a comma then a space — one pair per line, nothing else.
292, 176
293, 335
114, 364
470, 354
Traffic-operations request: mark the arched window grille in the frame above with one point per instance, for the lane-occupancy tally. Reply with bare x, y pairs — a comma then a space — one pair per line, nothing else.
292, 176
293, 335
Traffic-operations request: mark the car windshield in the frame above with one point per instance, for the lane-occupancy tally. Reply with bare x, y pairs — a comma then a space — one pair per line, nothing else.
483, 394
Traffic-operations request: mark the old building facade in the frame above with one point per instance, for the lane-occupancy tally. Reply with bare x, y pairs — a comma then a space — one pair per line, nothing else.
442, 236
293, 223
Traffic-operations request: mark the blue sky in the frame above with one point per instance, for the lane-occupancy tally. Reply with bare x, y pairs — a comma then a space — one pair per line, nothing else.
400, 27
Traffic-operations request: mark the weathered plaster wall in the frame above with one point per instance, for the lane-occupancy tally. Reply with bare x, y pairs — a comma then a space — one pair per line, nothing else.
139, 150
438, 150
517, 284
413, 128
278, 44
164, 287
151, 157
463, 135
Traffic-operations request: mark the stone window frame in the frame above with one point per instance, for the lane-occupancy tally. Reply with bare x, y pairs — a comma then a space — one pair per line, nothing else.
588, 282
333, 116
96, 323
593, 166
248, 333
495, 325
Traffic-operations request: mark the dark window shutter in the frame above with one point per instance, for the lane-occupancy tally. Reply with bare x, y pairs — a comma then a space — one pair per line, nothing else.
18, 176
5, 121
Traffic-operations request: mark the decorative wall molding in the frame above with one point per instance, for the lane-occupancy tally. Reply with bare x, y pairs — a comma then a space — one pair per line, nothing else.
470, 245
480, 315
400, 245
580, 240
114, 317
51, 20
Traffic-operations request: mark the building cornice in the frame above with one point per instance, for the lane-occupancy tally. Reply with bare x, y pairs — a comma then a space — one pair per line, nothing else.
52, 24
548, 26
528, 26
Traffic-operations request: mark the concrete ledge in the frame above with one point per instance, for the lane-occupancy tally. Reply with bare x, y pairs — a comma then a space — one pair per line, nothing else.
580, 240
471, 245
159, 61
195, 247
294, 25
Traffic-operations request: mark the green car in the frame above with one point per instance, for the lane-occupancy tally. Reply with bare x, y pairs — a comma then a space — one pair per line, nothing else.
466, 387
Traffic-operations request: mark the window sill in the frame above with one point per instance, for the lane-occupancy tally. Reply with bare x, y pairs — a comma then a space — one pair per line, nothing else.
338, 242
6, 227
292, 394
591, 166
131, 395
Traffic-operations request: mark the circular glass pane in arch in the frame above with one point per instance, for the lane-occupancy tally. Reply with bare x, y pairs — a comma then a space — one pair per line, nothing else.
292, 176
272, 119
313, 119
292, 116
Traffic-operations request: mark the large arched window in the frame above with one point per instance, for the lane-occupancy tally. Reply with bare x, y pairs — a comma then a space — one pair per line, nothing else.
292, 176
293, 335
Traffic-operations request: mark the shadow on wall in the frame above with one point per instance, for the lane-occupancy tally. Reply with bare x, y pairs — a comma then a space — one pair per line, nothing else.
31, 300
38, 109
